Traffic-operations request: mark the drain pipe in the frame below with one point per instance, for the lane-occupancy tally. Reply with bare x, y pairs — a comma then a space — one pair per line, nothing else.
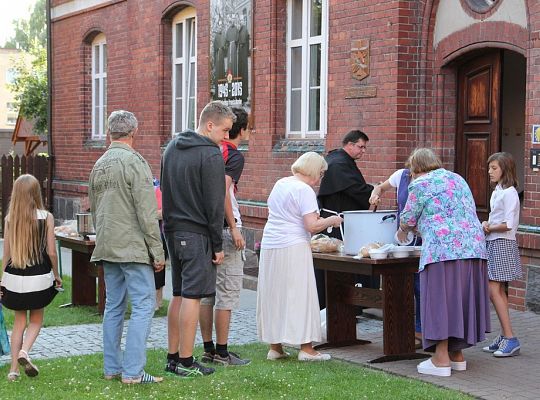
49, 107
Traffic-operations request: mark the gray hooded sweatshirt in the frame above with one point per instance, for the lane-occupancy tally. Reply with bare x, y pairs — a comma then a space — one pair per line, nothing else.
193, 187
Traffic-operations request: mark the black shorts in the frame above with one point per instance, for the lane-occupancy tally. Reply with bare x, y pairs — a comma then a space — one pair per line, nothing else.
193, 274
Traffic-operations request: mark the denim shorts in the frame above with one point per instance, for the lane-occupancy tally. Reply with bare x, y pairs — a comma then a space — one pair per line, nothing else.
193, 274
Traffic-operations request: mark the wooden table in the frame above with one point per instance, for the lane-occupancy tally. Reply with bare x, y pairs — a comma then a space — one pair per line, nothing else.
396, 299
84, 273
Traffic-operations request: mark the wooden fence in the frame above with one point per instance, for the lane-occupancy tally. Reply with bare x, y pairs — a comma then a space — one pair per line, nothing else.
13, 167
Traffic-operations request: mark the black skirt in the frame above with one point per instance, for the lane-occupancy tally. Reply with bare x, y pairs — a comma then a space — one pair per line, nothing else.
31, 288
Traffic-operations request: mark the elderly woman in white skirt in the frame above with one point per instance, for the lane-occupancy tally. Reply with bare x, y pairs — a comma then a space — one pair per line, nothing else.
287, 302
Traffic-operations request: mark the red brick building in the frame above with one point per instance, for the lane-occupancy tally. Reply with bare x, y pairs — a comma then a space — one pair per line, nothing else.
458, 76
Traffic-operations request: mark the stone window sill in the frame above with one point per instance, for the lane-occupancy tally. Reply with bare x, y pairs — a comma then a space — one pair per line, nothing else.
299, 146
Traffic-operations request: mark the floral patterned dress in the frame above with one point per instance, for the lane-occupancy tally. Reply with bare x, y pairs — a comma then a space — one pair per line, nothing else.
441, 206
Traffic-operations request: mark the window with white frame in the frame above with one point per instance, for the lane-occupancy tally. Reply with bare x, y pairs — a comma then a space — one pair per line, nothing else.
99, 87
184, 70
306, 68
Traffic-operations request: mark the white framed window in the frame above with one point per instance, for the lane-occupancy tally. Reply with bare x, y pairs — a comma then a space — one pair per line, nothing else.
11, 106
307, 55
11, 74
184, 70
99, 87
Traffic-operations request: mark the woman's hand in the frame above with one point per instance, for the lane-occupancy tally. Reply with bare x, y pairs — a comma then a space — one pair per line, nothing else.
485, 227
335, 221
402, 235
374, 199
58, 281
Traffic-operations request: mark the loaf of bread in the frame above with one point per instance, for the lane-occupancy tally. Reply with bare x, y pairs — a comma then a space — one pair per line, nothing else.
364, 250
323, 244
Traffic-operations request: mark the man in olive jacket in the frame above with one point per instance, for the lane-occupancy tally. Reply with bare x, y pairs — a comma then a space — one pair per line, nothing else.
128, 244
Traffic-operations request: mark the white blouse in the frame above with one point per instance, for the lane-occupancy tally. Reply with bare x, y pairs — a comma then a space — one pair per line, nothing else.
504, 206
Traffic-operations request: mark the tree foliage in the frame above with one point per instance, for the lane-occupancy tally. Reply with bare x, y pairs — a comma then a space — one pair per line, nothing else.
30, 82
30, 32
30, 86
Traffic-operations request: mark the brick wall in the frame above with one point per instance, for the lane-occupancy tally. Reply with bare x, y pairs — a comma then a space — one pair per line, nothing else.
415, 82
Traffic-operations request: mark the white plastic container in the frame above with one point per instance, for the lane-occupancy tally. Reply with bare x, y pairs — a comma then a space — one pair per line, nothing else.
376, 254
363, 227
400, 252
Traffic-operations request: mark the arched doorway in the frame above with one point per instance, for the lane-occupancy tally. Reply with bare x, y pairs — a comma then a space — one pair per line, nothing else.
490, 116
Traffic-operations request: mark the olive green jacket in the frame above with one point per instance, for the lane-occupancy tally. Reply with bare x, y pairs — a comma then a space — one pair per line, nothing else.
124, 208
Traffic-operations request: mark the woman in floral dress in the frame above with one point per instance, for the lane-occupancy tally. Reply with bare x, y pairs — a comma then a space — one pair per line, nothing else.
454, 294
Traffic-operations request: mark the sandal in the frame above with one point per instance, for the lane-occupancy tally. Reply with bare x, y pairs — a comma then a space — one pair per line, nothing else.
13, 376
144, 379
24, 361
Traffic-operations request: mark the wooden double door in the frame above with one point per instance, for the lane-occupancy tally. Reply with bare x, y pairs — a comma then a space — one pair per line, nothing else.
479, 123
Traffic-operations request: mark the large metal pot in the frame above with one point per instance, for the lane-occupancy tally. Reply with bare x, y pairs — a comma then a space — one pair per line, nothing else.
364, 227
85, 225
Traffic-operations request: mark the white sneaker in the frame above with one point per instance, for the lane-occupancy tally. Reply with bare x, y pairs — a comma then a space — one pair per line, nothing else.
303, 356
276, 355
428, 368
458, 365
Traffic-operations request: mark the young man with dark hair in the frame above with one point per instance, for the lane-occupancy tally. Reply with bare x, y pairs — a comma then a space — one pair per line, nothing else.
230, 273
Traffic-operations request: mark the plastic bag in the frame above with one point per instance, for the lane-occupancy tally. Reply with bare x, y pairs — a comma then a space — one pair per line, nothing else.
323, 244
323, 326
67, 229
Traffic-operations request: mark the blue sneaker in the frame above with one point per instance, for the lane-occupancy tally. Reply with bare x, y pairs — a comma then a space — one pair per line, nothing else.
494, 346
509, 347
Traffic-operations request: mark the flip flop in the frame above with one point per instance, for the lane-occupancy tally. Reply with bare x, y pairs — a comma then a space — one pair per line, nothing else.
29, 368
144, 379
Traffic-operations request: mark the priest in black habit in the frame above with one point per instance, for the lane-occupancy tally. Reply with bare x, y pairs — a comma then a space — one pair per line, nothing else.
343, 188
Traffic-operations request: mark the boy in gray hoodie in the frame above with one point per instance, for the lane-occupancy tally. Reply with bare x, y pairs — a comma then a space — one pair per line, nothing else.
193, 189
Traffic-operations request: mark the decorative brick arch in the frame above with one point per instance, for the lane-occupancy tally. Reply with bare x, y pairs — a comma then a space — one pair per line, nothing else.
437, 72
496, 34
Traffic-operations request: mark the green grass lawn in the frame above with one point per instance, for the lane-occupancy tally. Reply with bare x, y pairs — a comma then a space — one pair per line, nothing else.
81, 378
61, 316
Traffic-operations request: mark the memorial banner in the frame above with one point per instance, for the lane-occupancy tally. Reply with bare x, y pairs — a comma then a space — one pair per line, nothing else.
230, 51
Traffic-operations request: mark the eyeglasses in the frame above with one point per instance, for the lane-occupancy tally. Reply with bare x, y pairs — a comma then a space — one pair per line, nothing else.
360, 146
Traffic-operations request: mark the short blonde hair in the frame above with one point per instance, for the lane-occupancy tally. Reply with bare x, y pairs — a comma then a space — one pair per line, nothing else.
423, 160
310, 164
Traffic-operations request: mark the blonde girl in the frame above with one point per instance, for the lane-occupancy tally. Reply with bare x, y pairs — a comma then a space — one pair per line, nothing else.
30, 274
503, 255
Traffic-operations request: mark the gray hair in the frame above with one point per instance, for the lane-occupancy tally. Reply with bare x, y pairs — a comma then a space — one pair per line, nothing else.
121, 123
310, 164
215, 111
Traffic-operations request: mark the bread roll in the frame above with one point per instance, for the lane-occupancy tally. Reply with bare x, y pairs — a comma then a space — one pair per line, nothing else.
364, 250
